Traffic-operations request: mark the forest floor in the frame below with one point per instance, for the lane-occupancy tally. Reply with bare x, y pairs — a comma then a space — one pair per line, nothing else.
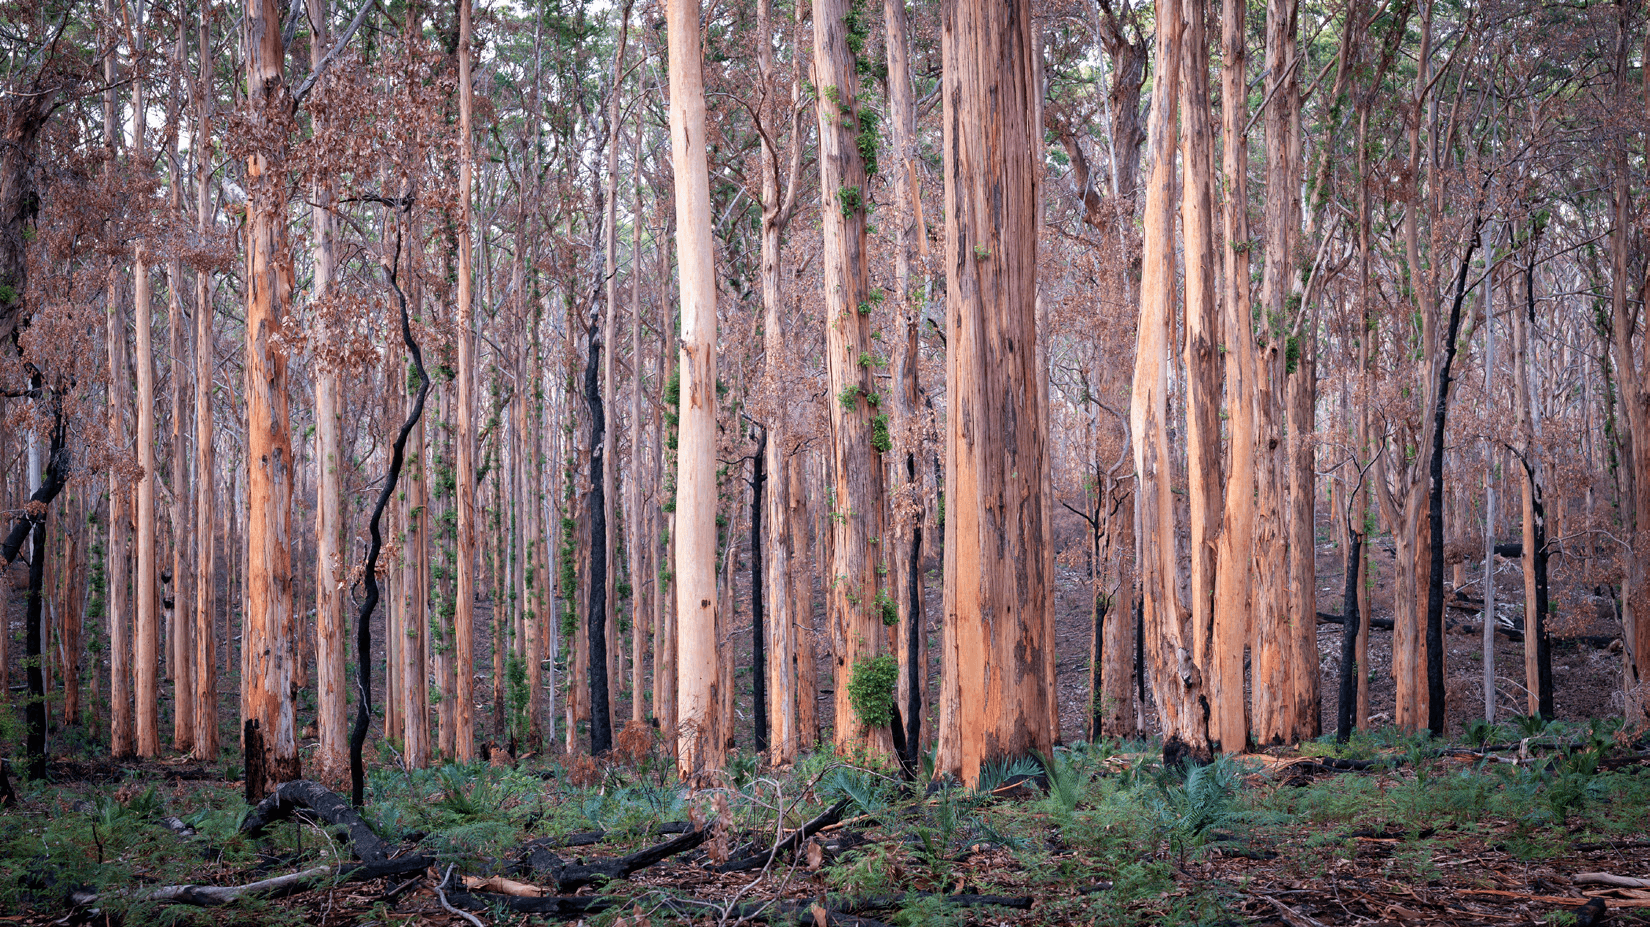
1384, 830
1534, 826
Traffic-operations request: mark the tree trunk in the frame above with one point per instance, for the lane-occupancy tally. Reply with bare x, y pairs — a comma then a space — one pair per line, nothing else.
1633, 379
464, 496
181, 644
601, 716
332, 702
1306, 717
699, 730
1229, 719
1538, 662
639, 539
1202, 386
855, 594
267, 628
759, 656
1435, 504
664, 601
1272, 638
998, 680
1178, 682
781, 455
146, 638
33, 652
122, 732
908, 508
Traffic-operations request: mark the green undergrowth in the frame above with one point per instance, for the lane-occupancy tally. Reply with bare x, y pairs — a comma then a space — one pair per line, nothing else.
1099, 833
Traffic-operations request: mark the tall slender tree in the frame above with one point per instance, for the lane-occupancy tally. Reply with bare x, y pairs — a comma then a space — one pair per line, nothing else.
267, 635
699, 737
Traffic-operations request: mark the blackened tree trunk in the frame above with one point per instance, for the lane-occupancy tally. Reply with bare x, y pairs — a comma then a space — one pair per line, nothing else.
1535, 621
1346, 712
34, 521
1435, 504
375, 546
601, 720
759, 655
36, 709
913, 626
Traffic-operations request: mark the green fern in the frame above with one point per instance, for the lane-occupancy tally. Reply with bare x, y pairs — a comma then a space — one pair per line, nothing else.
997, 773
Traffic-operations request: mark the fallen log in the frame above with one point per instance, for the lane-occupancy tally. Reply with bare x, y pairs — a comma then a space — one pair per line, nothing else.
887, 902
551, 905
289, 798
570, 877
1607, 878
278, 887
790, 842
1375, 624
849, 910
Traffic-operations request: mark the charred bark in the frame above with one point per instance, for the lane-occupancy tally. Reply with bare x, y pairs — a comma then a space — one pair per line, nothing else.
375, 546
601, 718
1435, 503
759, 654
1351, 672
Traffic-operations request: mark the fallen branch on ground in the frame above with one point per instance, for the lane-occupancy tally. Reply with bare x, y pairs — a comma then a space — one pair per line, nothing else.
570, 877
278, 887
789, 842
304, 795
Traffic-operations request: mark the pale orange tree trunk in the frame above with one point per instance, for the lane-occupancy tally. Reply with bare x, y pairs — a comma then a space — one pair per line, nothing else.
1177, 681
1272, 632
181, 648
206, 514
331, 683
146, 639
1404, 512
1229, 722
997, 686
699, 748
855, 592
780, 447
1202, 387
643, 573
146, 636
465, 496
267, 634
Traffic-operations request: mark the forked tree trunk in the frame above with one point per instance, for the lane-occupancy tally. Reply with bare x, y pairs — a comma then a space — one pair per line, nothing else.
267, 631
1202, 387
699, 748
998, 681
780, 454
1177, 681
1272, 629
